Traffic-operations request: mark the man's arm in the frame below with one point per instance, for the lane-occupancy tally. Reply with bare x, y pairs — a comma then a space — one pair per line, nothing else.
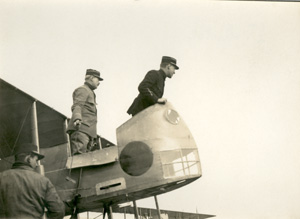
80, 96
145, 86
53, 203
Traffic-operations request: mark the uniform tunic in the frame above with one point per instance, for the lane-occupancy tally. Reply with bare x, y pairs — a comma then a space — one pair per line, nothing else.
84, 109
150, 90
25, 193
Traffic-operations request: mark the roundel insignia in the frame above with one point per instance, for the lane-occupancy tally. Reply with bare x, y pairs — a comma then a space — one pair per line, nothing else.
172, 116
136, 158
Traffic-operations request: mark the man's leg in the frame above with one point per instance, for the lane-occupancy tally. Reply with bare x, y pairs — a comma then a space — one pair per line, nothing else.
79, 142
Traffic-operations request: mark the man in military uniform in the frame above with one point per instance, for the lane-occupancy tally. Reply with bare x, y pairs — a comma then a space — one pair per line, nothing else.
25, 193
151, 89
83, 124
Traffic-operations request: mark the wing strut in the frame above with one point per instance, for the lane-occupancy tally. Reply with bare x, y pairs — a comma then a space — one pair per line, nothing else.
35, 139
35, 134
157, 207
136, 213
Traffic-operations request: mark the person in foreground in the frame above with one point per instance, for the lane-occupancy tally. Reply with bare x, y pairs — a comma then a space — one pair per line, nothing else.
151, 89
25, 193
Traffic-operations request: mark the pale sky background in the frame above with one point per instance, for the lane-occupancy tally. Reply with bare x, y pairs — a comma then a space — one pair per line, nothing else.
238, 86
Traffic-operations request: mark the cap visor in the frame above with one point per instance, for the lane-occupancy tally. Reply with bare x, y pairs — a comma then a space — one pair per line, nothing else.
40, 156
176, 67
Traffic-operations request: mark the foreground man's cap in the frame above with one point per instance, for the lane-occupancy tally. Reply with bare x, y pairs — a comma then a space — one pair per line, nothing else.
29, 147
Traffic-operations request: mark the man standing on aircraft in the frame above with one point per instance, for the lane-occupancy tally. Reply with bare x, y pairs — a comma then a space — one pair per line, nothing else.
151, 89
83, 124
25, 193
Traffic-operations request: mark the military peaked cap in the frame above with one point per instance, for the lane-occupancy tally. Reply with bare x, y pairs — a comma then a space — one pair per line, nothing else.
94, 73
170, 60
29, 148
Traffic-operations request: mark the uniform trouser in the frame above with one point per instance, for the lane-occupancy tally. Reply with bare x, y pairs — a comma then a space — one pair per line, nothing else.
79, 142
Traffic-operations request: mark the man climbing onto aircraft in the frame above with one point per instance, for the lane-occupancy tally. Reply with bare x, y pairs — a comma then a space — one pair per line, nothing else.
151, 89
25, 193
82, 126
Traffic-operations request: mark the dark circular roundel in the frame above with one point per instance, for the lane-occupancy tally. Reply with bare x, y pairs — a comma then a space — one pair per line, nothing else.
136, 158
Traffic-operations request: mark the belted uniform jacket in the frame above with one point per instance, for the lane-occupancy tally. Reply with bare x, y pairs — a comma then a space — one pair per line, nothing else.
25, 193
150, 90
84, 109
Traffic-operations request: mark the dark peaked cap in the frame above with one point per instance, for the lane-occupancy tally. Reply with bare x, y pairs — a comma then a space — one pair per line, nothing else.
170, 60
94, 73
29, 148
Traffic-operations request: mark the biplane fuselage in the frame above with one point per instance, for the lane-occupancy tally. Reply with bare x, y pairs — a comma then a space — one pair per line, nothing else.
155, 153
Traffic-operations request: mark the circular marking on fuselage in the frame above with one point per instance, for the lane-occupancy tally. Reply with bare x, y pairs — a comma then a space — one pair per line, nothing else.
172, 116
136, 158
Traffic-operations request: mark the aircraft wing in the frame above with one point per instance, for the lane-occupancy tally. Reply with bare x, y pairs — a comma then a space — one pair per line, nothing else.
152, 213
16, 123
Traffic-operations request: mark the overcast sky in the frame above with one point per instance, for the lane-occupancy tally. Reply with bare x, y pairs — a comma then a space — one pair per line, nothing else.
237, 87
